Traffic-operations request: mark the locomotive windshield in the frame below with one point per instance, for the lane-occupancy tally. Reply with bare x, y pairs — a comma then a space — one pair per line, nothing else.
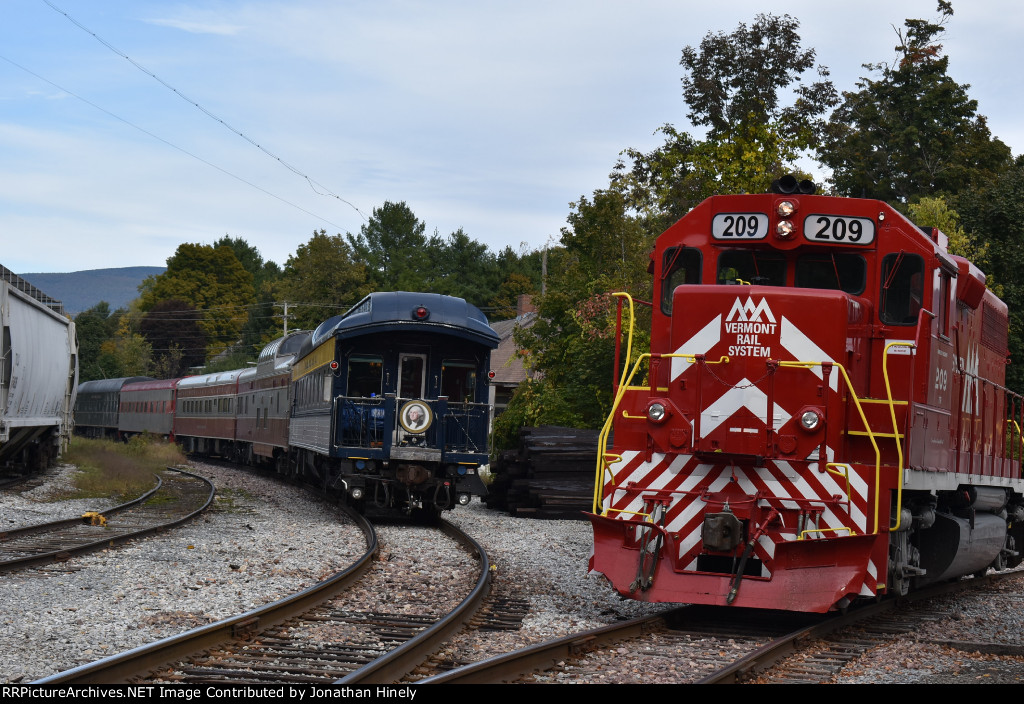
832, 270
747, 266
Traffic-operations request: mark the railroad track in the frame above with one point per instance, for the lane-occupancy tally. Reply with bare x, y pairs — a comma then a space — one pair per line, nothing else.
315, 636
712, 645
686, 640
175, 498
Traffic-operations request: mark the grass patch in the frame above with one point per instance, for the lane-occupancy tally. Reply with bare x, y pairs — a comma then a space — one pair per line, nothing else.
233, 501
119, 470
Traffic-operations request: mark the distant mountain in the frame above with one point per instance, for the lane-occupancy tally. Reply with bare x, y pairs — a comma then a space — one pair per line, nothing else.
81, 290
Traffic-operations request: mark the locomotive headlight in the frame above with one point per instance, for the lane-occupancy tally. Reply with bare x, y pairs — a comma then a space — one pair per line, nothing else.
810, 419
785, 209
656, 412
464, 499
356, 493
784, 230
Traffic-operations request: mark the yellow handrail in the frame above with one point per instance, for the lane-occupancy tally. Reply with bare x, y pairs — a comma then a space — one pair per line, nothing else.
844, 474
603, 456
895, 429
863, 419
602, 438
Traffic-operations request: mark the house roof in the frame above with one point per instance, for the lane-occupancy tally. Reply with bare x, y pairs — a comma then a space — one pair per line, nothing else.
505, 363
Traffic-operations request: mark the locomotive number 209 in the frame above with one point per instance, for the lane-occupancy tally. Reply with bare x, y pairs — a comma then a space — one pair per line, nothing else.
739, 226
840, 229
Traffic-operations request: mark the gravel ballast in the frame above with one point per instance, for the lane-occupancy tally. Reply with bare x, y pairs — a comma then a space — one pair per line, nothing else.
265, 539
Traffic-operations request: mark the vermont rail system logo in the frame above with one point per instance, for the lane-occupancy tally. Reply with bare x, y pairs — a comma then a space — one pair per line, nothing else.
750, 323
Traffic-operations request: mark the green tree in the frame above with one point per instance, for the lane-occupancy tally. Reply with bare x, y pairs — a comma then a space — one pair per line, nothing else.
935, 212
571, 345
994, 214
94, 327
462, 267
735, 80
505, 303
913, 131
172, 329
324, 276
211, 280
262, 326
733, 85
394, 248
131, 353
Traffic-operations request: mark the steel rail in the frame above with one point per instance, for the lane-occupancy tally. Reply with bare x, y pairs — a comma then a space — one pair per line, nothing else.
766, 656
122, 667
403, 659
110, 539
543, 656
63, 522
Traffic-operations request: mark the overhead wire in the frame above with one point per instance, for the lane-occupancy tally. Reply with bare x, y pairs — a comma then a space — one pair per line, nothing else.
170, 144
314, 185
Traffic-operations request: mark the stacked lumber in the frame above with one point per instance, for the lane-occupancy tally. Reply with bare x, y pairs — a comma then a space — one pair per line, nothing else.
550, 475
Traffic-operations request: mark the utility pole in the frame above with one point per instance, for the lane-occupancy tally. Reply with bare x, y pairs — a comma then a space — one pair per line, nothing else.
284, 316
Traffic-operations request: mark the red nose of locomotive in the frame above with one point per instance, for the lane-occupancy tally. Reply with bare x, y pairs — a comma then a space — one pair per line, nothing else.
753, 374
741, 424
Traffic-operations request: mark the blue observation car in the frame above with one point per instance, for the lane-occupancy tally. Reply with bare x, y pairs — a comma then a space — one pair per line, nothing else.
389, 402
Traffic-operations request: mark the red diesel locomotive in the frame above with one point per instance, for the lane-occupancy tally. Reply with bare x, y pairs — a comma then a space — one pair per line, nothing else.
821, 415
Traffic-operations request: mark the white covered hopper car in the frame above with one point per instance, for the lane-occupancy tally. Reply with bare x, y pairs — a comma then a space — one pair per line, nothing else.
38, 374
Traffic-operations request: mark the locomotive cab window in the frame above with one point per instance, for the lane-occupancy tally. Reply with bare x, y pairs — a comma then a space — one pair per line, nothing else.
837, 271
942, 306
681, 265
902, 293
364, 376
750, 267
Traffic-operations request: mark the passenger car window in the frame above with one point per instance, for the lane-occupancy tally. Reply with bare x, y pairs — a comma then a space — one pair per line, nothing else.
458, 381
365, 376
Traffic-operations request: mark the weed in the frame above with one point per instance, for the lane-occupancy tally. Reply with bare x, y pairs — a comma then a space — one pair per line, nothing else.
122, 470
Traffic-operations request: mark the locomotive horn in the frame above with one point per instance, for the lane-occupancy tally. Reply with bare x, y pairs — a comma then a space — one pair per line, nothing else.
785, 185
807, 187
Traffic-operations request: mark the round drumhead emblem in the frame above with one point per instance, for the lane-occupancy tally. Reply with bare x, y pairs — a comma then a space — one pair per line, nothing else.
415, 417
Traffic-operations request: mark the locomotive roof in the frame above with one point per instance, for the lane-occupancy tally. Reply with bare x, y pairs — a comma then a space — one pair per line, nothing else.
395, 311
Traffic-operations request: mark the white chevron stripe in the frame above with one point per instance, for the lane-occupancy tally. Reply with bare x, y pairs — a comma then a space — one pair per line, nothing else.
804, 350
698, 344
636, 504
750, 397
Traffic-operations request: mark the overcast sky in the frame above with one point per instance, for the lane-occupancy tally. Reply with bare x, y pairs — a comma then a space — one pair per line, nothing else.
490, 116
